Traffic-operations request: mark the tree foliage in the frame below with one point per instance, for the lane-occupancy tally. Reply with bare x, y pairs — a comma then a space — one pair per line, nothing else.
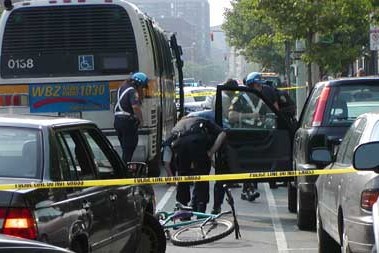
260, 27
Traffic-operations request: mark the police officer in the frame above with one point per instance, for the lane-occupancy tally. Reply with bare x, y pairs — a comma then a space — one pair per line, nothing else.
195, 141
128, 113
248, 110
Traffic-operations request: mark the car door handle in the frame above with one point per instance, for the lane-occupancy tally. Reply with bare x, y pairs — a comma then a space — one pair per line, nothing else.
86, 205
113, 197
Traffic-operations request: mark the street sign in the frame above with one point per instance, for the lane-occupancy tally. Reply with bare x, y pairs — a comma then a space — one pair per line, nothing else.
296, 55
374, 38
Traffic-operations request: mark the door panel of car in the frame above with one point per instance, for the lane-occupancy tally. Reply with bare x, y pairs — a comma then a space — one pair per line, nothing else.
92, 204
124, 219
259, 138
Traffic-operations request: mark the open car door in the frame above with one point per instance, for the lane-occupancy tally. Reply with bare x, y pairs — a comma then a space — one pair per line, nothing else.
259, 137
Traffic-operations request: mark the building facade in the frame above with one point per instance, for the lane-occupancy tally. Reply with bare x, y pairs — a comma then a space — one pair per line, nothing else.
189, 19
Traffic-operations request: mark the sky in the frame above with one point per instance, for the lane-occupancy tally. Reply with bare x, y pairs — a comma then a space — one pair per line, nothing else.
216, 10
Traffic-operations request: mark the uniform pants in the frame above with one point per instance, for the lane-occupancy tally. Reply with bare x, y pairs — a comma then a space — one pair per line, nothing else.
201, 166
127, 132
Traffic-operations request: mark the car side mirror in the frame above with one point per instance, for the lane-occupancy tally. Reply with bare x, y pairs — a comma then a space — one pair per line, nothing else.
137, 169
366, 157
321, 156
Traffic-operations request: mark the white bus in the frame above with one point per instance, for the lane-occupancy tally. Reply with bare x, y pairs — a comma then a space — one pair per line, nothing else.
68, 57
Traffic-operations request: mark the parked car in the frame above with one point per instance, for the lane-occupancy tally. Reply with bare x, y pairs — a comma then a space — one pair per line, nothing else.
366, 159
329, 110
344, 201
92, 219
20, 245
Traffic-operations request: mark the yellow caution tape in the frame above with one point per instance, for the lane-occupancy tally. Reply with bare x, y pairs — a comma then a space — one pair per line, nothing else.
293, 88
198, 94
176, 179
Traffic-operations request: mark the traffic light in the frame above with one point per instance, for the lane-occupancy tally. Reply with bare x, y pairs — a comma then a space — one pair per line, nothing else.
211, 34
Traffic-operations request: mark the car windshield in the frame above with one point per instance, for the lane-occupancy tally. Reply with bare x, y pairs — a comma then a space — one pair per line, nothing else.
349, 102
19, 152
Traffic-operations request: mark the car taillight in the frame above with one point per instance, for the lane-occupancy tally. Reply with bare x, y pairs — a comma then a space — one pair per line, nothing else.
18, 222
368, 199
320, 107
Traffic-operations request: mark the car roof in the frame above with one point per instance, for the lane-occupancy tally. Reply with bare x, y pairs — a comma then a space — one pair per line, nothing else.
36, 121
350, 80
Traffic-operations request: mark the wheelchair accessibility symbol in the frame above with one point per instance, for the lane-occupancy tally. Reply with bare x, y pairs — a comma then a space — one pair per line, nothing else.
86, 62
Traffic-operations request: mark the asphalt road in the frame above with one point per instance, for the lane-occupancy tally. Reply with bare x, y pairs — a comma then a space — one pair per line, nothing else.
265, 224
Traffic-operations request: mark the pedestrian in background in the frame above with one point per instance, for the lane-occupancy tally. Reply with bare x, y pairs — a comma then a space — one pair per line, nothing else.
361, 72
128, 113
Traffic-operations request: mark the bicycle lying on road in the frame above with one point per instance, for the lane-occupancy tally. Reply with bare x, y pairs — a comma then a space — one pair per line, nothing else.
194, 228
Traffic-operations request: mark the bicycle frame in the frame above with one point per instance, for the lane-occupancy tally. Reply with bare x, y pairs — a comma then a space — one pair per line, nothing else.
172, 219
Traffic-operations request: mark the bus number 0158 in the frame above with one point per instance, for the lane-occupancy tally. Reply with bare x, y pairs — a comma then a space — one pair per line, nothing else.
21, 63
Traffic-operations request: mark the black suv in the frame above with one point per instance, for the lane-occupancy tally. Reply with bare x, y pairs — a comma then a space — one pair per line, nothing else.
329, 110
91, 219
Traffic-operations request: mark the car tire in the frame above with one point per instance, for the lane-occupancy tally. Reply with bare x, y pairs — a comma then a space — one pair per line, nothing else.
292, 197
305, 218
153, 238
325, 242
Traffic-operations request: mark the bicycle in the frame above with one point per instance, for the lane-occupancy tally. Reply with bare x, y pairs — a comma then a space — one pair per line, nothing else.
194, 228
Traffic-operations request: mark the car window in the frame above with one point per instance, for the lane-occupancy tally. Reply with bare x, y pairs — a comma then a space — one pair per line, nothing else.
248, 111
350, 101
351, 140
20, 152
103, 164
310, 107
75, 154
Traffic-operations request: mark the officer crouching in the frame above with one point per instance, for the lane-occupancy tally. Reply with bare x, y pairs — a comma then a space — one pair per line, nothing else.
128, 113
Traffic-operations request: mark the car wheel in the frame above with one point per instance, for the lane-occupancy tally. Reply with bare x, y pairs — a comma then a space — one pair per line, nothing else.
305, 218
292, 195
153, 238
325, 242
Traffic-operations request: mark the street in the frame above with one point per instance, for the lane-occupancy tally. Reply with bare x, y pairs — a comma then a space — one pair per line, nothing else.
265, 224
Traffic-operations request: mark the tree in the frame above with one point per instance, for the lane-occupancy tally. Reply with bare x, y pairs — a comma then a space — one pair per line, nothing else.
252, 35
288, 20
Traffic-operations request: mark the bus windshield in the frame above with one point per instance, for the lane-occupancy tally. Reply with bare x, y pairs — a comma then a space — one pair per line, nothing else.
73, 40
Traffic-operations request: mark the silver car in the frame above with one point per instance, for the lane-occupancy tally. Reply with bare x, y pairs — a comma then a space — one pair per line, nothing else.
344, 201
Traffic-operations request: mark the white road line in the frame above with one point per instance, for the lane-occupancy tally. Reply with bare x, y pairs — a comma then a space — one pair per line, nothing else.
278, 229
165, 198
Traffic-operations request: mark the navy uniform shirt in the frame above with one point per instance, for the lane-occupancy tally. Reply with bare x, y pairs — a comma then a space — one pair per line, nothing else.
131, 98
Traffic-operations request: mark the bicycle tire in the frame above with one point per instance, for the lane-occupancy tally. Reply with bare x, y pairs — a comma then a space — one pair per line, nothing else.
179, 240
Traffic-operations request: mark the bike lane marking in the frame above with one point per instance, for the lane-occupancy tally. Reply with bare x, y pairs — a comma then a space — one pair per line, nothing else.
278, 229
165, 198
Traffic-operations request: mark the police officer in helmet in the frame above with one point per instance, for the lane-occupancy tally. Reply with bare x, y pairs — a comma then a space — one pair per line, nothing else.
128, 113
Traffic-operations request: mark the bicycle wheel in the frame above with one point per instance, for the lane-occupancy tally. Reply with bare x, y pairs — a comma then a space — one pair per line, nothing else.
193, 234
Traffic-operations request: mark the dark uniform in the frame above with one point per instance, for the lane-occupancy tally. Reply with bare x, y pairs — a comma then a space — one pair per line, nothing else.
193, 137
125, 122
